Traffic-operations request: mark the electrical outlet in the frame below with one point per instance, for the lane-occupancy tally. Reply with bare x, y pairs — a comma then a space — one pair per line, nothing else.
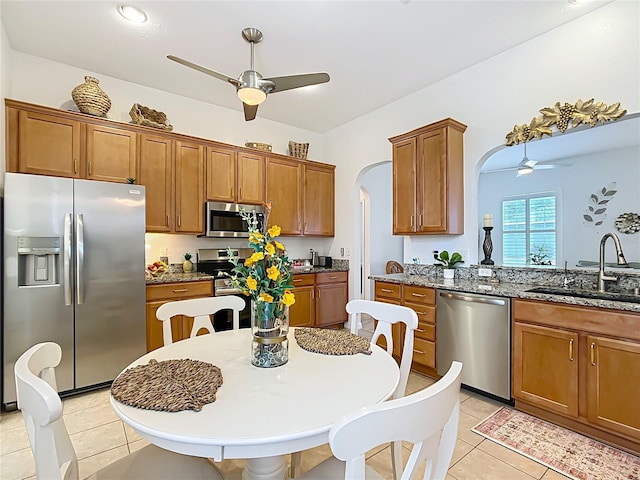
347, 251
484, 272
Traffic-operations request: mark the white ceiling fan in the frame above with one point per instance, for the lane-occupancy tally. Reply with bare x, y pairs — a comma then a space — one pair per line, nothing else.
251, 86
527, 166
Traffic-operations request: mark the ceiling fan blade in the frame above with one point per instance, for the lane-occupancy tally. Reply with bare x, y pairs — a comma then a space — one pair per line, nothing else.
296, 81
544, 166
220, 76
250, 111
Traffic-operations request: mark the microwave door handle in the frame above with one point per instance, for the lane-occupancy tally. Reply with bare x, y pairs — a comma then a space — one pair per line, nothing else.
79, 258
66, 259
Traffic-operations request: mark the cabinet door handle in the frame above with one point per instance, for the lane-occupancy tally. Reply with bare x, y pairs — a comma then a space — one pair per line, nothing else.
421, 295
239, 193
75, 166
167, 221
386, 290
593, 354
420, 313
296, 280
180, 290
333, 277
411, 221
313, 295
90, 167
571, 350
418, 351
419, 330
178, 220
421, 220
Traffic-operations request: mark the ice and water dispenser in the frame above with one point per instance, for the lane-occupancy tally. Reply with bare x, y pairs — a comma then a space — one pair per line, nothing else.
38, 259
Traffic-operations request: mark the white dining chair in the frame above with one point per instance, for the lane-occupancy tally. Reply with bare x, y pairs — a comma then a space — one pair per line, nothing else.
201, 309
428, 419
51, 445
386, 315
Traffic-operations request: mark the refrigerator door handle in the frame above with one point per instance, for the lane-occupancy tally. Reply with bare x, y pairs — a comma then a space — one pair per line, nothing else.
66, 259
79, 258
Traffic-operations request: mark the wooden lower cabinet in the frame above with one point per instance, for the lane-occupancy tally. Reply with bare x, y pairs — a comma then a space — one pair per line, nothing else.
422, 300
303, 312
579, 367
159, 294
332, 296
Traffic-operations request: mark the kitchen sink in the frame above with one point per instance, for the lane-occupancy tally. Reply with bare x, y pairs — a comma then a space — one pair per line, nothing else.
574, 292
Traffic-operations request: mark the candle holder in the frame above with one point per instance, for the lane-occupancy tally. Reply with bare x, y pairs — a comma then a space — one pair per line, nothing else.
487, 246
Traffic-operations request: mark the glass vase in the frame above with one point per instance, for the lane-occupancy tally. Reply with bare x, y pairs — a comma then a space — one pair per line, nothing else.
269, 326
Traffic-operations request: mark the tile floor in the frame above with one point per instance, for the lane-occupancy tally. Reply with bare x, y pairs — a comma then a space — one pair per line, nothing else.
100, 437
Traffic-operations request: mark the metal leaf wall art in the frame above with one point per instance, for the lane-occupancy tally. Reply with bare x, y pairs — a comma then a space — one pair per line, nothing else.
563, 115
597, 205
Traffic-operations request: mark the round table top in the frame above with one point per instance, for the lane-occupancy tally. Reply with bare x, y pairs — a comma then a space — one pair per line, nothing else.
263, 411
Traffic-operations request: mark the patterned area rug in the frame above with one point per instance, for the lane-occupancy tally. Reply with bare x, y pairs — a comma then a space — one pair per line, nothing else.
562, 450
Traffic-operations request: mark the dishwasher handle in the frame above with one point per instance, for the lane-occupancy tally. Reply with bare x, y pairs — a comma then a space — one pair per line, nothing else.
467, 298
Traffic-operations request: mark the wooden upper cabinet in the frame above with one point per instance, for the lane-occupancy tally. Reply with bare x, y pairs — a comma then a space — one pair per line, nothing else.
46, 144
318, 201
221, 174
189, 187
250, 178
155, 172
284, 183
428, 180
111, 154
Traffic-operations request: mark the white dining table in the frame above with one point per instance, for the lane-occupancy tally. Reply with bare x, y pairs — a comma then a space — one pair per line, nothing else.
262, 414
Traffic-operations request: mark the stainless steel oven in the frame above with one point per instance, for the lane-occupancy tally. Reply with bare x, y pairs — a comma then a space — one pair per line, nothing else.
216, 262
223, 220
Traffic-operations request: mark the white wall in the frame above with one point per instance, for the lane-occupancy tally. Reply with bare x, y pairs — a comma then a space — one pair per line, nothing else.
574, 185
384, 246
5, 53
597, 55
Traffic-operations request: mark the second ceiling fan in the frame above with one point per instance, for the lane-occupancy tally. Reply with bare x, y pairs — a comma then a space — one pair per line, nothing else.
251, 86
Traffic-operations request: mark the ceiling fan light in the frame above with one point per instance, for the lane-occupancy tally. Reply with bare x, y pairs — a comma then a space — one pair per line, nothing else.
524, 170
252, 95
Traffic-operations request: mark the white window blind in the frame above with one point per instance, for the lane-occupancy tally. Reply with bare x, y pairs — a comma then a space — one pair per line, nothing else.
529, 234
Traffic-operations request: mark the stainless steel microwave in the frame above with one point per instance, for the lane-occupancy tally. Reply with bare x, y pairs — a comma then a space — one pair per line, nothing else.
223, 220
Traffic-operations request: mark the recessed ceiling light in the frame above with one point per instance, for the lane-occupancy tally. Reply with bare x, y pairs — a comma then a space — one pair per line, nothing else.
131, 13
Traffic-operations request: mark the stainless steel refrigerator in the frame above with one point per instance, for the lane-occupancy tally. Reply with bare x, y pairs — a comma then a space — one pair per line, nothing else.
73, 274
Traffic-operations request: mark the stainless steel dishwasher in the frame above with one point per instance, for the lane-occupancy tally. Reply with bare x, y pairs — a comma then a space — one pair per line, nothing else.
475, 330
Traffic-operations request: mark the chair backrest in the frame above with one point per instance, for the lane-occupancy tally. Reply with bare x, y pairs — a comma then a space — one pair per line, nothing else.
428, 419
201, 310
394, 267
387, 314
41, 408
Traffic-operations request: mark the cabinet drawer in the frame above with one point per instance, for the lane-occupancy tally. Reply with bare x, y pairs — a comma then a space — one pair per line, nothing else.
331, 277
426, 331
420, 295
388, 290
303, 280
179, 290
424, 352
425, 314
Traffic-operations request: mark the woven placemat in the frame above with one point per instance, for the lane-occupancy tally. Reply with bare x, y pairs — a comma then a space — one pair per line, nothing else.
331, 342
169, 385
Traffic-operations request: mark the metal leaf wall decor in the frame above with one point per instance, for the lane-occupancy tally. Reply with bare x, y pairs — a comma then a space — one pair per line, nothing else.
597, 205
561, 115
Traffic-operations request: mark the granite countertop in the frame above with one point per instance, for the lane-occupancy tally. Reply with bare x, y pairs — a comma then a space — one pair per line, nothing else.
178, 278
503, 289
297, 271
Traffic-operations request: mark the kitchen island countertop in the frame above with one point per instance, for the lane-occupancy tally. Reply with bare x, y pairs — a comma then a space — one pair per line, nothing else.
178, 278
503, 289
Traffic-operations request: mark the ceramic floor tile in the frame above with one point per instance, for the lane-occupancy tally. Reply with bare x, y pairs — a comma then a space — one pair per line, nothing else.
17, 465
553, 475
514, 459
464, 394
418, 382
95, 440
381, 463
460, 450
478, 465
9, 420
465, 423
314, 456
90, 465
86, 400
479, 406
13, 439
86, 419
132, 436
137, 445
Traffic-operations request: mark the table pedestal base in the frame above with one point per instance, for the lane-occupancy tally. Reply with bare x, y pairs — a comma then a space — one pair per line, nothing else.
267, 468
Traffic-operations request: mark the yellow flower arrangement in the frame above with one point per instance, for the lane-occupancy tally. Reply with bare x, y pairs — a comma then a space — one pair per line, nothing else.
266, 275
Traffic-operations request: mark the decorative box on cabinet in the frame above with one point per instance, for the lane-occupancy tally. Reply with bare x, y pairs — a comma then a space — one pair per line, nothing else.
428, 190
158, 294
579, 367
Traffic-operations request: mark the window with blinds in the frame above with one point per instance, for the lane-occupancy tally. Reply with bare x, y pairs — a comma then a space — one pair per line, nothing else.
529, 234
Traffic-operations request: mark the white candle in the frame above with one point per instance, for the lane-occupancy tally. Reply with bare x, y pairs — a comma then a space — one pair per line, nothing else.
488, 220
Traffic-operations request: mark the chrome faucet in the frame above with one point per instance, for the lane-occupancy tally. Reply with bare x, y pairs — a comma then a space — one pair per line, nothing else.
621, 260
566, 281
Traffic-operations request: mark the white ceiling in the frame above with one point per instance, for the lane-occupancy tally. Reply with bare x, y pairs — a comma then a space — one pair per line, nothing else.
375, 51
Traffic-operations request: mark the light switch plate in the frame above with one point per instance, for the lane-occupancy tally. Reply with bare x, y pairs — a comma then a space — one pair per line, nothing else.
484, 272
